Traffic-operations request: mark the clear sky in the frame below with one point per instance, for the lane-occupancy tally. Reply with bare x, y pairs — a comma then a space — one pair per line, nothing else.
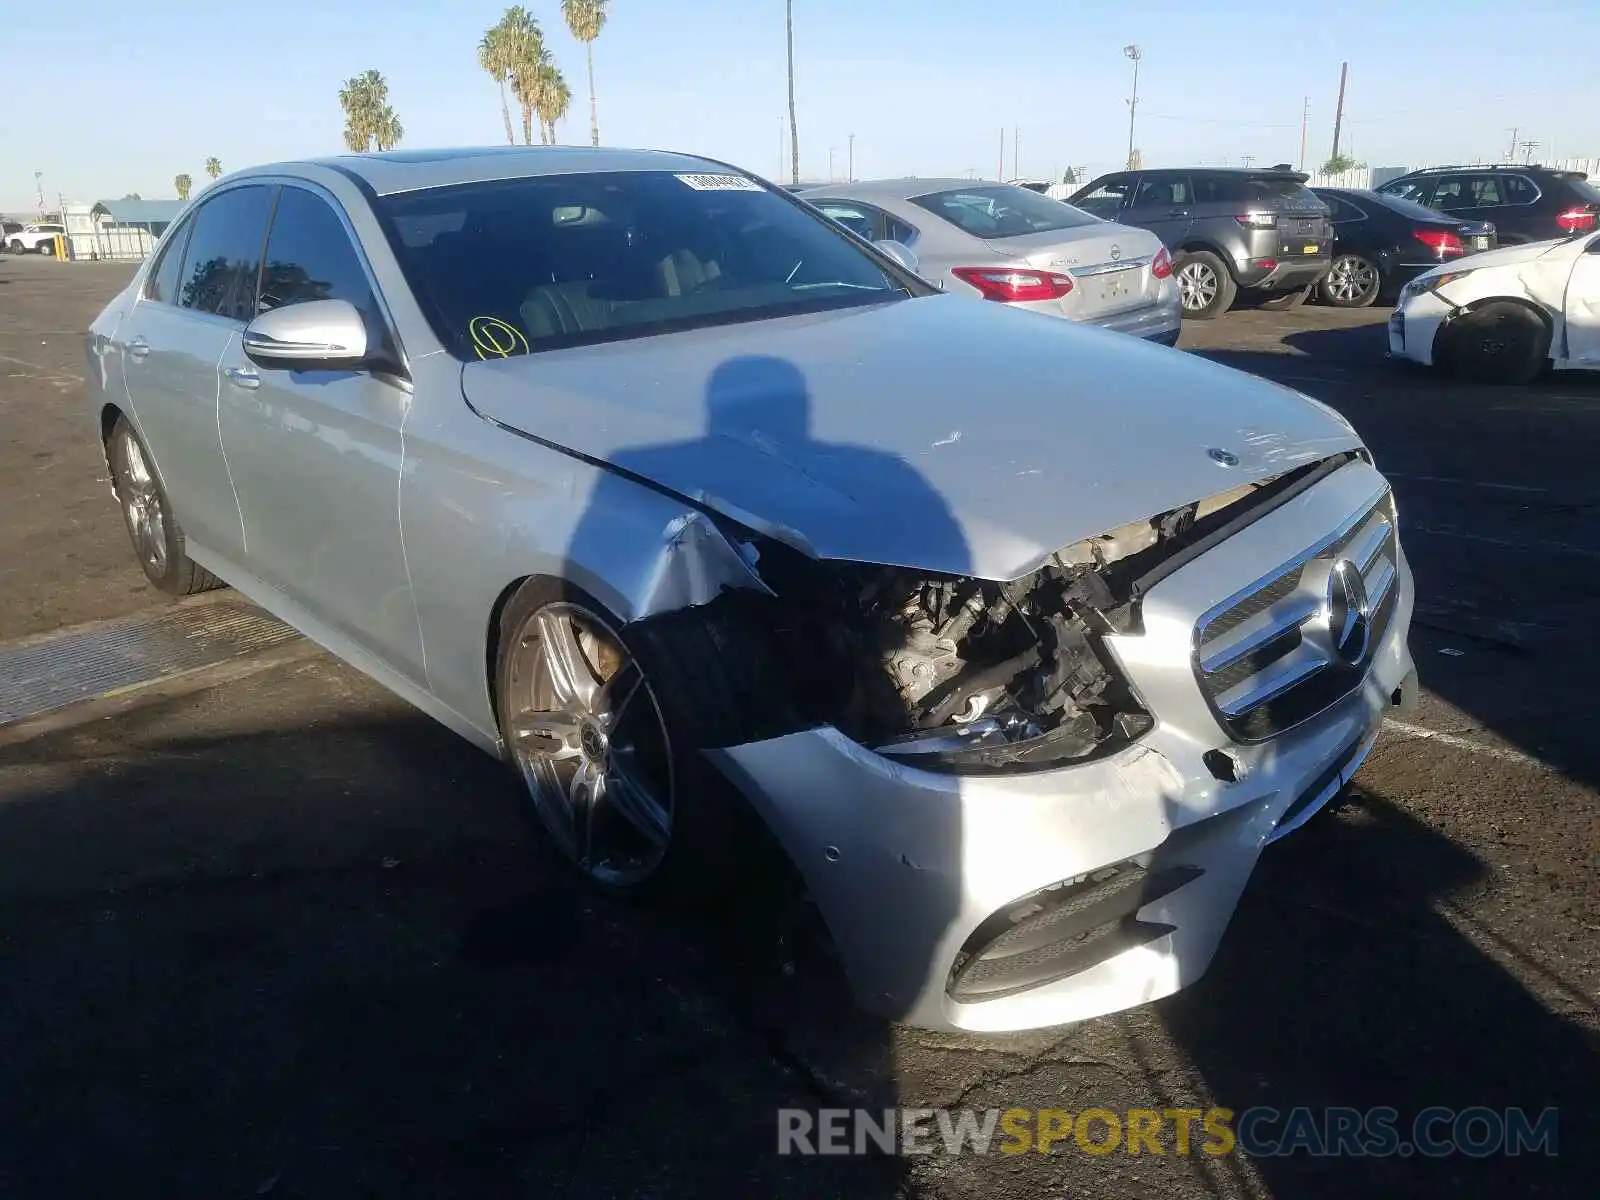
107, 97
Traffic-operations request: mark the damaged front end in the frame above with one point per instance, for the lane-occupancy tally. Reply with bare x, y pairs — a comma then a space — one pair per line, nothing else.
947, 672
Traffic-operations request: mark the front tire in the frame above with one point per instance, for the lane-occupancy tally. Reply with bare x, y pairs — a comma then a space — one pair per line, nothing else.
1351, 282
1205, 288
157, 539
591, 724
1500, 342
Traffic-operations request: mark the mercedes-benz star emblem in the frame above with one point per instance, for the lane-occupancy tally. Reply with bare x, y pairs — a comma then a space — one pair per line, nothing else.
1116, 252
1223, 458
1349, 612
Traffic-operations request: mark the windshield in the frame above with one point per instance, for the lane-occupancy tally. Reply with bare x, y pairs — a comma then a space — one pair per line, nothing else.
518, 265
1002, 212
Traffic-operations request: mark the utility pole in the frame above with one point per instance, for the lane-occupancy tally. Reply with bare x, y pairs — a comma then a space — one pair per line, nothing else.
1247, 159
1001, 177
830, 164
38, 182
1338, 113
1305, 117
1511, 154
1016, 153
1135, 54
850, 169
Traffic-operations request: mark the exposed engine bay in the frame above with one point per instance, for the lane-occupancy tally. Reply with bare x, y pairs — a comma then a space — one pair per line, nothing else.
960, 673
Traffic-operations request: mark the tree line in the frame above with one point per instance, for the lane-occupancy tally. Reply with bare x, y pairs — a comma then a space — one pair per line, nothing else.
513, 53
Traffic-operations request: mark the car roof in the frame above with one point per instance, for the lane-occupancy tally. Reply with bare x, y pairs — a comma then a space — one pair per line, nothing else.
898, 189
392, 171
1521, 167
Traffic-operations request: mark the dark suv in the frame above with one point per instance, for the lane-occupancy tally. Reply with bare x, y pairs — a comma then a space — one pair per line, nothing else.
1229, 230
1526, 204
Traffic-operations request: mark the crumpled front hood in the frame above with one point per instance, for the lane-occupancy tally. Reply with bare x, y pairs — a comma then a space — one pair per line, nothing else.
941, 433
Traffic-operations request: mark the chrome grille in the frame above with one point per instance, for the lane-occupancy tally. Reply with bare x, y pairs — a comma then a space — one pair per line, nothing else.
1298, 639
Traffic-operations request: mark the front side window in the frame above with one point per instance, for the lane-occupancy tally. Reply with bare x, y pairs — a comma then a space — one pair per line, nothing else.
224, 257
1409, 189
1451, 191
310, 257
563, 260
163, 285
1001, 211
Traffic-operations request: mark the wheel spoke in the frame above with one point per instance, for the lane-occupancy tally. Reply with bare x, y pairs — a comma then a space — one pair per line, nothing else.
618, 692
584, 794
630, 797
571, 677
552, 734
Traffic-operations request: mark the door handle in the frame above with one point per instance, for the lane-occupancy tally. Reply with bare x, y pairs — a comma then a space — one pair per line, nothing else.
245, 377
139, 348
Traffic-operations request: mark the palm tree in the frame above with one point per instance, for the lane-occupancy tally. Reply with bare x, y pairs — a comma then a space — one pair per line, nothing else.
182, 184
494, 56
528, 83
794, 129
586, 18
369, 118
213, 167
554, 97
512, 51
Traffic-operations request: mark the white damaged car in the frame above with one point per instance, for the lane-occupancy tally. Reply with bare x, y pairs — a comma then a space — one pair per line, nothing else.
1502, 316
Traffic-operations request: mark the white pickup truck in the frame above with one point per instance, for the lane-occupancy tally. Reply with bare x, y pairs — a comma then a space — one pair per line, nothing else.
39, 237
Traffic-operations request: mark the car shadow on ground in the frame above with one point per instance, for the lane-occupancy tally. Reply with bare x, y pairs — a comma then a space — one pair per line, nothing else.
1350, 977
331, 959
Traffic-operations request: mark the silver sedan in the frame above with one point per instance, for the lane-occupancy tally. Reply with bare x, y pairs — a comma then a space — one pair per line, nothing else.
1010, 244
1020, 639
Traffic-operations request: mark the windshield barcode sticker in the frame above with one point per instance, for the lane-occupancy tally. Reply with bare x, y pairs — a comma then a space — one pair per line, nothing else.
721, 183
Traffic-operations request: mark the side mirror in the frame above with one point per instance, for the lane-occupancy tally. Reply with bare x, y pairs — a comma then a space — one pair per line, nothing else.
900, 252
315, 335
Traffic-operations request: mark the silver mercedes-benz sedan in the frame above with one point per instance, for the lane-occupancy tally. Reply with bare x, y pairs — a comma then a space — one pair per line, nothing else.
1012, 245
1021, 638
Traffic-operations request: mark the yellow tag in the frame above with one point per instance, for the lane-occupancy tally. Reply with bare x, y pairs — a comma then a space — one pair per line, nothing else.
494, 338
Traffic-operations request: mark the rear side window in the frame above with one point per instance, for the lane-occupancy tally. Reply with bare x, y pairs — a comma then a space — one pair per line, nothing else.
224, 258
1344, 211
854, 217
310, 257
1002, 211
1219, 189
163, 285
1106, 199
1519, 189
1157, 191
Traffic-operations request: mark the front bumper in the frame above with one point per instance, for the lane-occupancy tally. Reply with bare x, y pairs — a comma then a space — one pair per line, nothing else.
906, 865
1414, 324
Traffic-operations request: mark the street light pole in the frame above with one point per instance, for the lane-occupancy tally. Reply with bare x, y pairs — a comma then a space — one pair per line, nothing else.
850, 168
1134, 54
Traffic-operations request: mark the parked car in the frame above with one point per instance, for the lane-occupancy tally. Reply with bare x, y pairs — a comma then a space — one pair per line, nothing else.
37, 238
713, 514
1014, 246
1526, 203
1381, 242
1505, 315
1260, 232
7, 228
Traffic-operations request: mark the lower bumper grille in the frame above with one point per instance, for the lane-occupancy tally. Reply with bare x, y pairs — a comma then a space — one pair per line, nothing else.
1062, 931
1291, 644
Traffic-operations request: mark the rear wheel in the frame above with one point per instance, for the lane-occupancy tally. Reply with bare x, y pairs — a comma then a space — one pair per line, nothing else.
1205, 288
594, 729
1285, 300
157, 539
1500, 342
1351, 282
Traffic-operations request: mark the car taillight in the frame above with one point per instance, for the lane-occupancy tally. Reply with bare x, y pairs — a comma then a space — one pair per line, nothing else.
1161, 264
1013, 284
1577, 220
1258, 220
1443, 242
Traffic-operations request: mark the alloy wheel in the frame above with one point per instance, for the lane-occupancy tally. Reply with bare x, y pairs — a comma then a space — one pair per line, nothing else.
588, 737
1197, 285
1350, 278
141, 504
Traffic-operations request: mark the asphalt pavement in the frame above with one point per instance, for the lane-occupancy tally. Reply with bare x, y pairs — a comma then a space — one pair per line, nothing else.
265, 930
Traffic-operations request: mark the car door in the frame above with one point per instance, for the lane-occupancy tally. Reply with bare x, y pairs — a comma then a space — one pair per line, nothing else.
1163, 203
194, 303
316, 454
1582, 307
